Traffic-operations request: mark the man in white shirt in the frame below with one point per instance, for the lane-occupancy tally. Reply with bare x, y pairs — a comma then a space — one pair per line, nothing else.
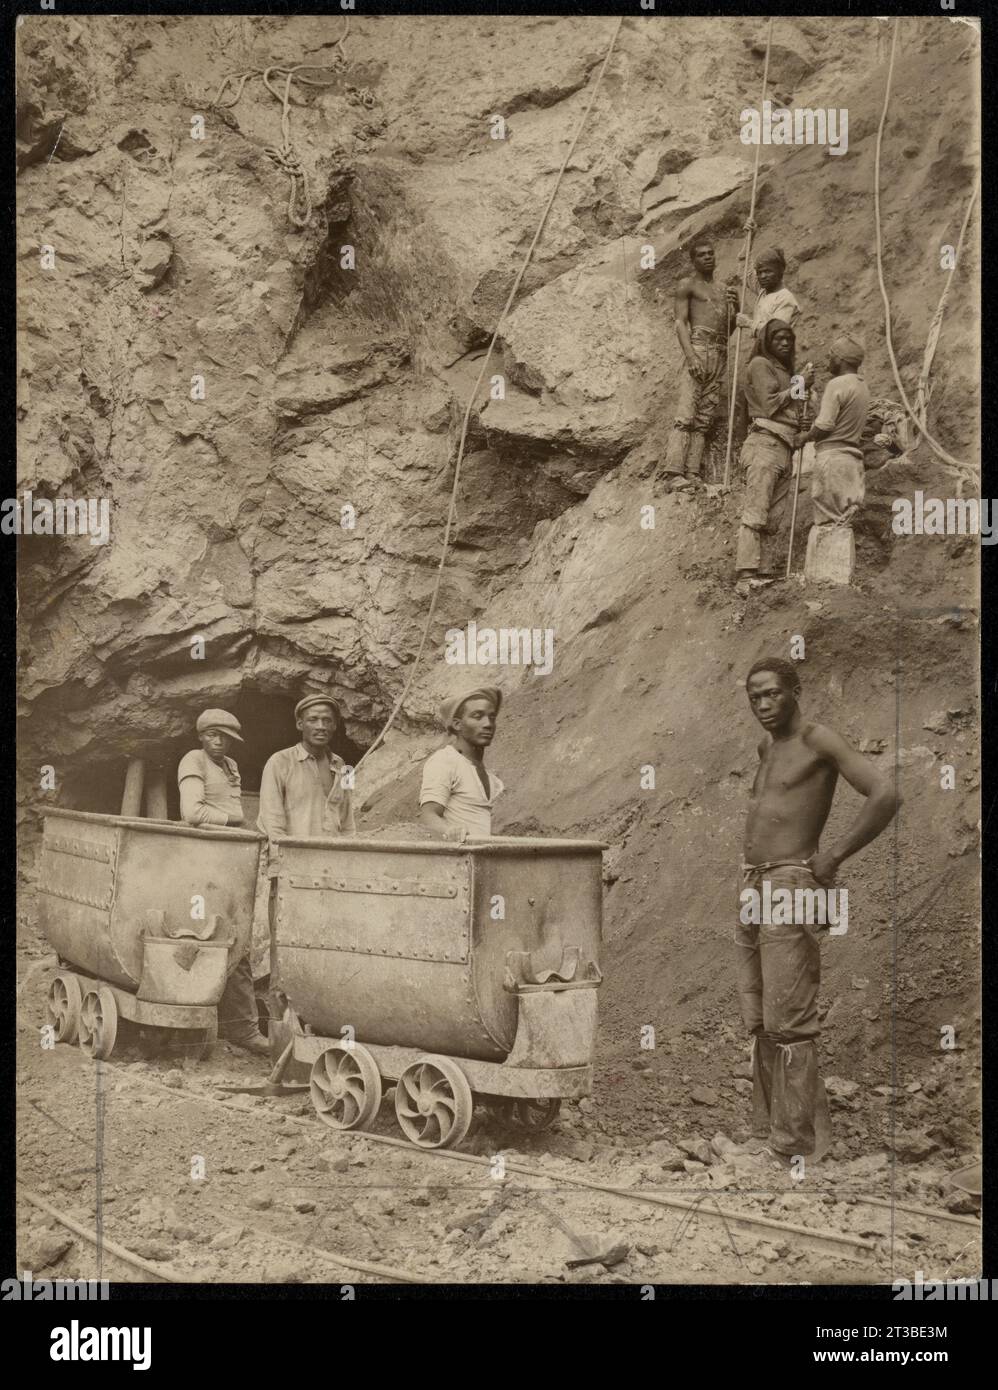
457, 793
210, 795
775, 301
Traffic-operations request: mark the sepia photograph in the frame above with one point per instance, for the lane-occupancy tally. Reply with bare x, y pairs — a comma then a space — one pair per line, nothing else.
499, 529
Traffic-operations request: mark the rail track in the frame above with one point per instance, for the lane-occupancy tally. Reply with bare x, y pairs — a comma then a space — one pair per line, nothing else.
700, 1203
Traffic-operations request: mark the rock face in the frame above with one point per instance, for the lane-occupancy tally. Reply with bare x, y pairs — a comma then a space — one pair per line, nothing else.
274, 412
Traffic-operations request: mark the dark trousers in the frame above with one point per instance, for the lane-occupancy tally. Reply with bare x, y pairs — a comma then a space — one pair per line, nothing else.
237, 1011
779, 971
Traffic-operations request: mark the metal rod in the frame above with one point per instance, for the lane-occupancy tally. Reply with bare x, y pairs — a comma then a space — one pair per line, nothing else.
799, 455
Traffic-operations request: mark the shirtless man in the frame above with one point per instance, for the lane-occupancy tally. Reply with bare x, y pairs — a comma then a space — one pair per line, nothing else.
780, 965
704, 313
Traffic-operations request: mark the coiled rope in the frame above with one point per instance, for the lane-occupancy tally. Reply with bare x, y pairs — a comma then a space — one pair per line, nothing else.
474, 392
285, 155
964, 472
749, 229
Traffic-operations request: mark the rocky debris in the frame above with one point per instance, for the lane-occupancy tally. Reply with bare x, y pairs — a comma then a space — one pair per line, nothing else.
154, 262
668, 1155
723, 1146
838, 1089
153, 1249
45, 1249
704, 1095
174, 1079
913, 1147
697, 1149
228, 1239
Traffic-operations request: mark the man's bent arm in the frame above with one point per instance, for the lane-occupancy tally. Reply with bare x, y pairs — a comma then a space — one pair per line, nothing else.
431, 815
882, 801
682, 309
194, 808
272, 818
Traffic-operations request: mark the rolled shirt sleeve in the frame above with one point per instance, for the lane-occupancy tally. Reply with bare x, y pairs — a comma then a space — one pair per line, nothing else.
271, 817
438, 780
829, 412
194, 807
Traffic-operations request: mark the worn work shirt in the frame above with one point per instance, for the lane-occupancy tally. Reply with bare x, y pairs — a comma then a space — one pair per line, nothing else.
778, 304
294, 802
450, 780
768, 398
844, 407
209, 791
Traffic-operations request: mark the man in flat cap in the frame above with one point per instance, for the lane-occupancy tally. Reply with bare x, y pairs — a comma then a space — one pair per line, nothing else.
302, 790
838, 483
457, 794
210, 795
209, 778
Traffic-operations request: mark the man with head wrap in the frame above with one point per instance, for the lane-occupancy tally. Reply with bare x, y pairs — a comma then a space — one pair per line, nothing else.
766, 454
838, 484
457, 794
775, 301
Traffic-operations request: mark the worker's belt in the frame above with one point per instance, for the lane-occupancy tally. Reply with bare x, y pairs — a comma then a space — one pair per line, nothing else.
775, 428
704, 335
749, 869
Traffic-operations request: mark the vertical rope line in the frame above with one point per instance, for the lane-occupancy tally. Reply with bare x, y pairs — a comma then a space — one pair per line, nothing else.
474, 392
745, 268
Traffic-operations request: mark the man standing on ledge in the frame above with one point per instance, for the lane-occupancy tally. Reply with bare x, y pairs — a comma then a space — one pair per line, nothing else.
838, 479
703, 312
210, 794
457, 794
779, 967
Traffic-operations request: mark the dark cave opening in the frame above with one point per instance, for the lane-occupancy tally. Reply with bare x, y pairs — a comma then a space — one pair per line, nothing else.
268, 724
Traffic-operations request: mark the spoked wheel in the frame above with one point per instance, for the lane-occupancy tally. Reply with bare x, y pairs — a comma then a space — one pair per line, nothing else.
433, 1103
98, 1023
62, 1008
202, 1041
535, 1115
345, 1086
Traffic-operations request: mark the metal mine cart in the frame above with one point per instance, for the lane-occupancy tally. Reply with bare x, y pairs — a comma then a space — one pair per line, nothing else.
150, 916
453, 970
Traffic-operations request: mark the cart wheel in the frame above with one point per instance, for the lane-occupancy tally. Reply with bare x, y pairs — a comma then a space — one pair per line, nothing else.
203, 1040
536, 1115
433, 1103
345, 1086
62, 1008
98, 1023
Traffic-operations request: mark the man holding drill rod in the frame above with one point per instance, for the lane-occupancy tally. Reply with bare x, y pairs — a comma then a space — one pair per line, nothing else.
775, 398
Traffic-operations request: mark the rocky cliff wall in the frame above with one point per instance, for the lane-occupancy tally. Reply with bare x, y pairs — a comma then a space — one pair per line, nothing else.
326, 387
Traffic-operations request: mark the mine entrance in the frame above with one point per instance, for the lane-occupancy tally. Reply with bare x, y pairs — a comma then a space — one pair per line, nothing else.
267, 723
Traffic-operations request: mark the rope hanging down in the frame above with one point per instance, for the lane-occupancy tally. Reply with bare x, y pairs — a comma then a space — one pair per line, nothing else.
749, 229
474, 392
965, 473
